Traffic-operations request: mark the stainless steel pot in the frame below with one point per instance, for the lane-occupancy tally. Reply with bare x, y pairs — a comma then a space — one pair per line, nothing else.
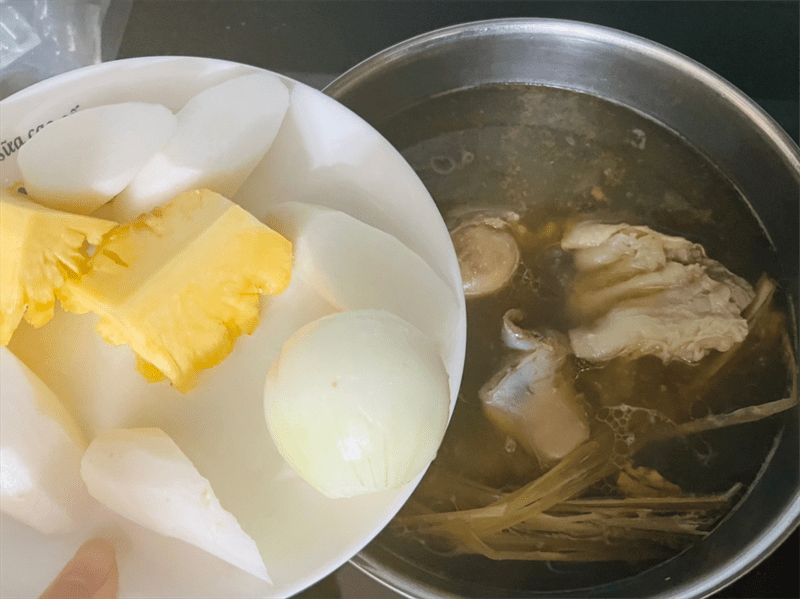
714, 117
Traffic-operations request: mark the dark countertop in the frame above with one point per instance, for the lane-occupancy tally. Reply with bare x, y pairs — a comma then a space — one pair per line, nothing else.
754, 45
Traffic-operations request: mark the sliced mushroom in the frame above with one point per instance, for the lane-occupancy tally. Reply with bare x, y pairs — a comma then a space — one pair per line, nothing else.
514, 336
487, 253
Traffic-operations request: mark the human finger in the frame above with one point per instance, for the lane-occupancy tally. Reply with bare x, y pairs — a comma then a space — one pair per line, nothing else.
91, 574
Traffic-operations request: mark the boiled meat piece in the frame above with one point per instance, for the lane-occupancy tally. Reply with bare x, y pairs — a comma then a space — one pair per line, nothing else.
531, 400
643, 292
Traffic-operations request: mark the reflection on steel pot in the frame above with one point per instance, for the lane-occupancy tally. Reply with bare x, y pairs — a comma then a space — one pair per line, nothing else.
548, 119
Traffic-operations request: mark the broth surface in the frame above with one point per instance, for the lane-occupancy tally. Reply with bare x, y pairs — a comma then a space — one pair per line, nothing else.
554, 157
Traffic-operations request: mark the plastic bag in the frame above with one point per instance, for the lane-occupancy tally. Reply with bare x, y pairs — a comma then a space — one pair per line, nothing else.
42, 38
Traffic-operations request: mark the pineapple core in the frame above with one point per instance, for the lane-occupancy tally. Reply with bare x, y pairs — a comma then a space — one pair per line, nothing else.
39, 246
181, 283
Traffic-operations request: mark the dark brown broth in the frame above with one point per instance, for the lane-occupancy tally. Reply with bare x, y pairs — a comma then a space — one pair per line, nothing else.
555, 156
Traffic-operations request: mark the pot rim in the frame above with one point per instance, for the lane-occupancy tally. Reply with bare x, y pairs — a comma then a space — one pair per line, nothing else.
575, 29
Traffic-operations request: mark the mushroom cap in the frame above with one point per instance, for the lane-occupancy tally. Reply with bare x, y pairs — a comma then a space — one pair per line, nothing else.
487, 253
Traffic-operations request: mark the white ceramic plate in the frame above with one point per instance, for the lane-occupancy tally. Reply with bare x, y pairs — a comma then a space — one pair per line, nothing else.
323, 154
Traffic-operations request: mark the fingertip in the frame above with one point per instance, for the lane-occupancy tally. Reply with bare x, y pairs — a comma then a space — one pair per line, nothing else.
110, 588
99, 554
93, 569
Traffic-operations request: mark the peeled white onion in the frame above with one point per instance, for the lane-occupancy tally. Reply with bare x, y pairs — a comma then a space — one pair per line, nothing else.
41, 446
222, 133
80, 162
358, 402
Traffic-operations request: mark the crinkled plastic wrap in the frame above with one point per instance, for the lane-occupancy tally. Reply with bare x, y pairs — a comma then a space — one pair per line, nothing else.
42, 38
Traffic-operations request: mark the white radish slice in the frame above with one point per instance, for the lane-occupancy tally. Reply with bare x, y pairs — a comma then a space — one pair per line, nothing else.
223, 132
354, 266
41, 446
144, 476
80, 162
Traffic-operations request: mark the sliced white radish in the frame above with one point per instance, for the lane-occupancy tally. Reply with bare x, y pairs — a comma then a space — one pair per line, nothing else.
81, 161
41, 446
354, 266
144, 476
222, 134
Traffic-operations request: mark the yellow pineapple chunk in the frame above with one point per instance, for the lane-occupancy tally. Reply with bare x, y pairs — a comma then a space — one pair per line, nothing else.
38, 247
180, 284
